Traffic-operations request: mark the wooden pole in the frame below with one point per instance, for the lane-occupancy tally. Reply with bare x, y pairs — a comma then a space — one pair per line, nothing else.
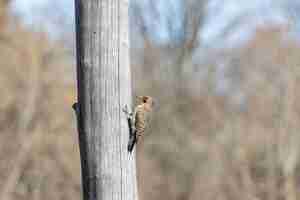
104, 88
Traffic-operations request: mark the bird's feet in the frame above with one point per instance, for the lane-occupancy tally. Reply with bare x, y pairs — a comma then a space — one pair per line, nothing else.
127, 112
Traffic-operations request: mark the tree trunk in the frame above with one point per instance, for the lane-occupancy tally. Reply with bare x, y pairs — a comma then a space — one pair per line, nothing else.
104, 88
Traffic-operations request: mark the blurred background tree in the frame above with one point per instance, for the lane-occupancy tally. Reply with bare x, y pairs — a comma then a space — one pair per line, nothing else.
225, 76
39, 155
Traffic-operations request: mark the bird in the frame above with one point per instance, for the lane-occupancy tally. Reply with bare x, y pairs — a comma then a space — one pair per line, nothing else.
139, 120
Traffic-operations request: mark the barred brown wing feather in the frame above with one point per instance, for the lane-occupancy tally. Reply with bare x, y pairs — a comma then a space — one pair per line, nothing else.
140, 121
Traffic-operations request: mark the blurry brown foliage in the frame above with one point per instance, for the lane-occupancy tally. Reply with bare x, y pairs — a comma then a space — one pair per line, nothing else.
202, 145
39, 154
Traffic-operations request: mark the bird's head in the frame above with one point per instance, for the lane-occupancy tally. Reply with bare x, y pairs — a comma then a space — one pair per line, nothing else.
147, 100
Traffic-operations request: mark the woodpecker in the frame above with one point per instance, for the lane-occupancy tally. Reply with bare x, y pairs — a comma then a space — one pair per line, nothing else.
139, 120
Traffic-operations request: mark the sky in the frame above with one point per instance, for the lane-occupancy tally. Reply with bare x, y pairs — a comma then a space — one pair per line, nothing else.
56, 16
250, 14
226, 22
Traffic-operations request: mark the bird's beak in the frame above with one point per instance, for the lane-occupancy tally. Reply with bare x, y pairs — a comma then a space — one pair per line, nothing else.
154, 104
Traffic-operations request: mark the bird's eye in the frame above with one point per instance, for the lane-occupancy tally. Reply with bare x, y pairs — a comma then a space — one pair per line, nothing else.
145, 99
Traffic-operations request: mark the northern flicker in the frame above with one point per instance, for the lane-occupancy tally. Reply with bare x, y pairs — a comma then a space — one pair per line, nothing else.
139, 120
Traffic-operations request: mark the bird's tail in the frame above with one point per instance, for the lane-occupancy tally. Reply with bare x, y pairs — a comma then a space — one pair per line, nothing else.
132, 141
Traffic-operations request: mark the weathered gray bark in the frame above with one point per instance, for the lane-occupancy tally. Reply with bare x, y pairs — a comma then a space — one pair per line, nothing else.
104, 87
